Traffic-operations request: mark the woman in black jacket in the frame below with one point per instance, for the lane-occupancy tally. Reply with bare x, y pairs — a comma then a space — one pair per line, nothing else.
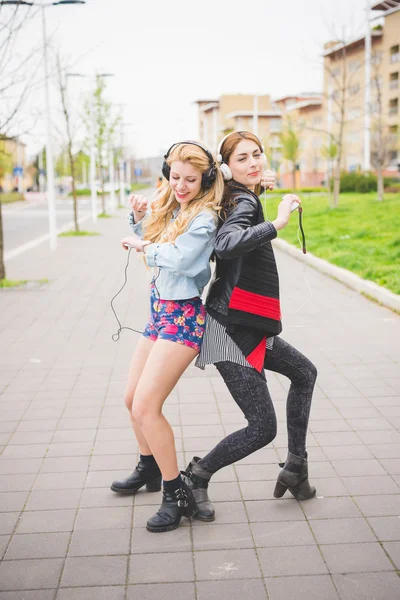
243, 325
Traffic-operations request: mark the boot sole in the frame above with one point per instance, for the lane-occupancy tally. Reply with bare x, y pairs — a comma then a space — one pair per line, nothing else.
206, 519
151, 486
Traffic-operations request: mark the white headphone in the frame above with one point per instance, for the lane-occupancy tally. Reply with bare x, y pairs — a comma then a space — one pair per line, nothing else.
223, 167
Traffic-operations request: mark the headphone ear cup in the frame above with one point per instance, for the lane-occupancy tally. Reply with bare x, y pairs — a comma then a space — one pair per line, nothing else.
166, 171
208, 178
226, 172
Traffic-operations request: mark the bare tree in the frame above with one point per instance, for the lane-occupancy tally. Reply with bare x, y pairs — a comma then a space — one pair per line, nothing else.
291, 148
17, 76
62, 87
380, 138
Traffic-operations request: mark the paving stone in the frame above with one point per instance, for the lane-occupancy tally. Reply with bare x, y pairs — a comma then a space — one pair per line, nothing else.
330, 508
355, 558
365, 586
92, 593
386, 528
251, 589
310, 587
59, 481
393, 549
94, 571
65, 464
365, 486
30, 574
328, 487
100, 542
161, 568
144, 542
8, 522
103, 497
299, 560
341, 531
38, 545
28, 595
220, 537
271, 510
379, 506
53, 499
103, 518
225, 512
12, 501
46, 521
226, 564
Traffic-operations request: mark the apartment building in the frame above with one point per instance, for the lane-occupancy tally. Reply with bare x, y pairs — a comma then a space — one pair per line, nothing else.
314, 115
344, 89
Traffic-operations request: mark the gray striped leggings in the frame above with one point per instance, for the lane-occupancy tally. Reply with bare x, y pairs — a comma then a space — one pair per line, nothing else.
250, 392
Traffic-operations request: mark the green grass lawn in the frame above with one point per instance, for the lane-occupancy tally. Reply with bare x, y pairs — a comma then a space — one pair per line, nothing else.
11, 197
361, 235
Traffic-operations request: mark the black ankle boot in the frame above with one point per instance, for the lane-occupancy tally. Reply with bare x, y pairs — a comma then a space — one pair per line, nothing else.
148, 475
294, 475
175, 505
197, 481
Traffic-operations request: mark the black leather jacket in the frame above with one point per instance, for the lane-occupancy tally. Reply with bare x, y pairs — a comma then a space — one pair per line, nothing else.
243, 231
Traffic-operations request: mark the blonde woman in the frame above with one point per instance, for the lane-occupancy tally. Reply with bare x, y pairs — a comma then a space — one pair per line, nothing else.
177, 238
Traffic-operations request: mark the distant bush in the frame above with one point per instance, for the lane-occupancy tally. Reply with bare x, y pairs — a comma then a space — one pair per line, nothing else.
358, 182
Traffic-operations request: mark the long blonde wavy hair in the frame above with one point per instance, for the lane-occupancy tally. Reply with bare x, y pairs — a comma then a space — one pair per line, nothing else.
158, 226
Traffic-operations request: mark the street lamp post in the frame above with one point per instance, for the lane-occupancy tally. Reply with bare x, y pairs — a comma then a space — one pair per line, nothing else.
367, 96
51, 197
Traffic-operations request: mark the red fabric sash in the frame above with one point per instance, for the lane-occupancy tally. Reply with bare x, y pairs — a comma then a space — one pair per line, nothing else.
255, 304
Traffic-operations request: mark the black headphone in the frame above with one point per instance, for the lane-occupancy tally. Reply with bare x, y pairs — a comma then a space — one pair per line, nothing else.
207, 178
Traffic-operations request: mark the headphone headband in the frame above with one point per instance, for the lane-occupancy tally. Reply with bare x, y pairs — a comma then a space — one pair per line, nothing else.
207, 178
192, 143
219, 155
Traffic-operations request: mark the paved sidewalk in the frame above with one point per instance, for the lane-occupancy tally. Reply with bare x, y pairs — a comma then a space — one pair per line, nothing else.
65, 436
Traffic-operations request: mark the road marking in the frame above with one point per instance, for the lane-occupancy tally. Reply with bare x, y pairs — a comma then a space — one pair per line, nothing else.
21, 249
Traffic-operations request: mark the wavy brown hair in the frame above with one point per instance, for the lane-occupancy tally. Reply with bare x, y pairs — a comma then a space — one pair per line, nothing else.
157, 226
226, 151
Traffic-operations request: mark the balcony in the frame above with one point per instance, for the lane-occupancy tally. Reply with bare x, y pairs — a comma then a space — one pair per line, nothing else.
394, 84
395, 58
393, 110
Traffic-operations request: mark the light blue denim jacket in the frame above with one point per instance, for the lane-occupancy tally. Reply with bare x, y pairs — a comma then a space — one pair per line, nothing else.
184, 266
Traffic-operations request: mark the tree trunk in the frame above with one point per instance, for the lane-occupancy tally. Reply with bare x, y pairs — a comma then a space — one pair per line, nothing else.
336, 186
380, 183
103, 196
2, 266
72, 167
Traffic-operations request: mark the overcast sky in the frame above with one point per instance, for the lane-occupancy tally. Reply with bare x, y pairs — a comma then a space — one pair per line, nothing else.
166, 54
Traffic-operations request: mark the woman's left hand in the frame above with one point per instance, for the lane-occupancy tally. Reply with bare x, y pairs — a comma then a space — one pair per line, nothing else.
133, 242
268, 180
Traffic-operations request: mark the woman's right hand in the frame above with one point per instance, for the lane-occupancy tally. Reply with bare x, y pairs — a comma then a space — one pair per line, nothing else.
284, 210
139, 206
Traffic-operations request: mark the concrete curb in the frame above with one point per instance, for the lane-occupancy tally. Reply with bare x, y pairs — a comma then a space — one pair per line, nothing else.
363, 286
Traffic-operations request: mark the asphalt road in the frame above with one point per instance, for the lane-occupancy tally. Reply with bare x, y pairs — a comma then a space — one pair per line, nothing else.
24, 222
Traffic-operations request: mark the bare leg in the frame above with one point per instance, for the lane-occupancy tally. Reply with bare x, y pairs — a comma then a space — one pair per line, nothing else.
164, 366
140, 355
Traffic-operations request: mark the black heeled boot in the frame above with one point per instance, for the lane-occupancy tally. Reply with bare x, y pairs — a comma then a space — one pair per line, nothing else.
144, 474
175, 505
294, 476
197, 480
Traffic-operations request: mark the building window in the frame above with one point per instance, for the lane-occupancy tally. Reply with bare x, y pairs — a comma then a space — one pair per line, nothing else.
395, 54
393, 107
275, 124
394, 81
394, 135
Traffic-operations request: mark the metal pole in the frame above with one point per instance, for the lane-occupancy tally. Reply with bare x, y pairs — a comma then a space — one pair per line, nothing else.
367, 97
111, 176
92, 167
41, 176
121, 170
255, 114
51, 197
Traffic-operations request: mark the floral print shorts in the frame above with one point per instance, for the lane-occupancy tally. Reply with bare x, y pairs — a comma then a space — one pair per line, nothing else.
180, 321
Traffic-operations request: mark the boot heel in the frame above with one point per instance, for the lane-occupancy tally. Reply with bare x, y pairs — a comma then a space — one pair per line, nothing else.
280, 489
304, 491
154, 485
